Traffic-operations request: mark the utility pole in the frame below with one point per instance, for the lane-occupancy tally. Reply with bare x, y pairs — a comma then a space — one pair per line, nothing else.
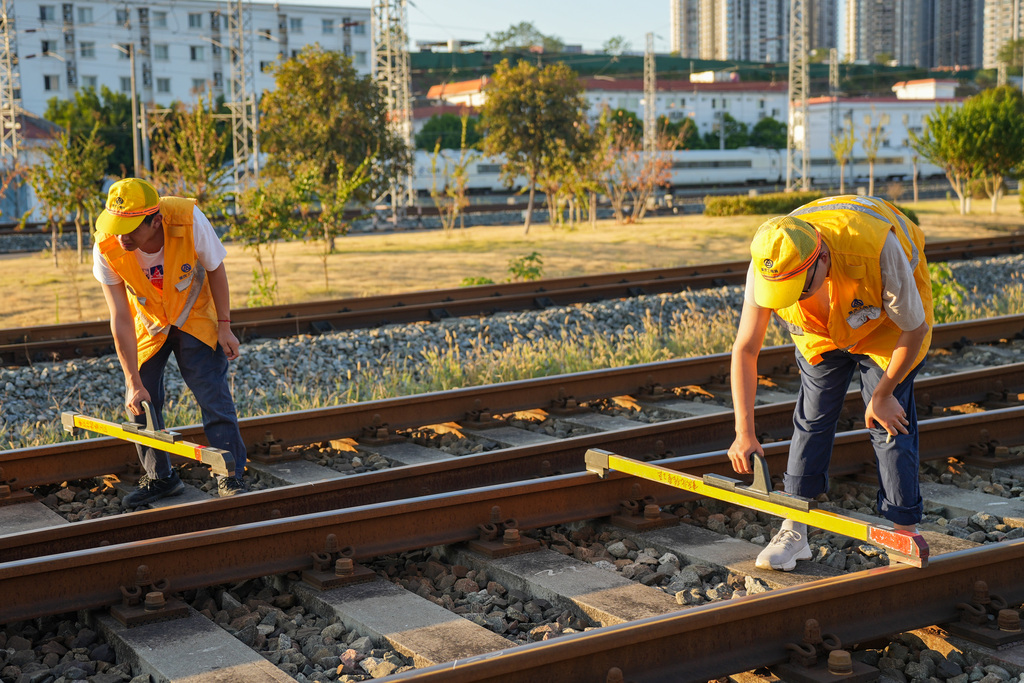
833, 105
10, 135
242, 105
135, 111
798, 138
650, 98
389, 19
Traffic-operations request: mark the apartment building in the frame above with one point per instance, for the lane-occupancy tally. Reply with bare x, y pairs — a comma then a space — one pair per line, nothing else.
182, 48
1003, 21
746, 30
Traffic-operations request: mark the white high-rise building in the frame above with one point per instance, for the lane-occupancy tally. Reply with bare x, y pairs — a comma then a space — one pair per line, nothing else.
746, 30
1003, 21
182, 47
685, 27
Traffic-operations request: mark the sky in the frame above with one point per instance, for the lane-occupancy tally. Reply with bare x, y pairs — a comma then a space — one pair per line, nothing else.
575, 22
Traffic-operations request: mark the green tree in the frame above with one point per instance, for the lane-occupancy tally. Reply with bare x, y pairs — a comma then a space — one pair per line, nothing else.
523, 36
70, 183
842, 149
450, 199
735, 134
446, 130
948, 140
110, 112
626, 122
1012, 53
997, 120
333, 205
532, 116
324, 113
681, 134
616, 45
874, 136
769, 133
267, 217
188, 149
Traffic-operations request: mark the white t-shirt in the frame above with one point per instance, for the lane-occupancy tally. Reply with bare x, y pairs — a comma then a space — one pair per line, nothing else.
211, 254
900, 297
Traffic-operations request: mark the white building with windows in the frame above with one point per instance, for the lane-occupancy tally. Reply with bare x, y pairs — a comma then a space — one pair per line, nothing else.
181, 46
746, 101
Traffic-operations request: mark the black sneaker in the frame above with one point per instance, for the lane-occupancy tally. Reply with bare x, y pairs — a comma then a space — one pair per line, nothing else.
151, 490
229, 486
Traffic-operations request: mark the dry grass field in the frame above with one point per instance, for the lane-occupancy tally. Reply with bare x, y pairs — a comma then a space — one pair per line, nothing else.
35, 292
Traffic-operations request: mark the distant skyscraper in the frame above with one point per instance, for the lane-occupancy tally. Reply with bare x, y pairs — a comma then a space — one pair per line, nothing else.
915, 33
870, 30
747, 30
685, 27
958, 33
823, 19
1003, 21
921, 33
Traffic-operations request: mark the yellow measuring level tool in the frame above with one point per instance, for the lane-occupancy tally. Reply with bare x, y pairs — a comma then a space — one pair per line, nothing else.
219, 462
903, 546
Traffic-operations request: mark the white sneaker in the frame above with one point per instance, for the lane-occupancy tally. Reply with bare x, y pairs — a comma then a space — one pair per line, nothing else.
786, 548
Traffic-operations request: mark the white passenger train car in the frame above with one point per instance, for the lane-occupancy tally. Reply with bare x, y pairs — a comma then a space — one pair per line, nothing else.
698, 168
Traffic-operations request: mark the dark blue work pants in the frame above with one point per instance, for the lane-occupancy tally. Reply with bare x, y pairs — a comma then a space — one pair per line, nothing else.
205, 371
819, 404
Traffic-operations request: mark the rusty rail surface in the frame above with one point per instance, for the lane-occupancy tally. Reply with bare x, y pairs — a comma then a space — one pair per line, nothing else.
23, 345
939, 438
701, 643
39, 465
92, 578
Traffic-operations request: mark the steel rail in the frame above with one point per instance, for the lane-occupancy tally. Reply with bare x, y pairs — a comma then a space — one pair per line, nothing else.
48, 342
39, 465
23, 344
712, 641
505, 473
92, 578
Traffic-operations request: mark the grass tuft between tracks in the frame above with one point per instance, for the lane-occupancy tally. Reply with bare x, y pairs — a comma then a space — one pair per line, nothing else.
452, 365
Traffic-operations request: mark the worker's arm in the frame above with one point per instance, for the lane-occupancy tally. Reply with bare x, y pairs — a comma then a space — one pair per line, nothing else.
122, 326
222, 300
743, 378
883, 407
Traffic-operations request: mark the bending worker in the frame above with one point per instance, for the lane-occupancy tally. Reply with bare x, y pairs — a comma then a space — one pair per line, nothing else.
161, 266
847, 277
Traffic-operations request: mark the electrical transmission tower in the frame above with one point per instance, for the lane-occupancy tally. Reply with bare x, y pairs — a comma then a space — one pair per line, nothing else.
391, 66
798, 138
650, 95
243, 95
10, 135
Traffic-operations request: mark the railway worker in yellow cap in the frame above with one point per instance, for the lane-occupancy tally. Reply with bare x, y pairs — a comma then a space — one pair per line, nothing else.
847, 277
161, 266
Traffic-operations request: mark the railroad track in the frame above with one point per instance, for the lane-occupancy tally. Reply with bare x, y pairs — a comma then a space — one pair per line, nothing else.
539, 485
24, 345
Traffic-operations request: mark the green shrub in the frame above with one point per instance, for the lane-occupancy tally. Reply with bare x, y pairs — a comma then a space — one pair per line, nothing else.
947, 294
909, 213
475, 281
777, 203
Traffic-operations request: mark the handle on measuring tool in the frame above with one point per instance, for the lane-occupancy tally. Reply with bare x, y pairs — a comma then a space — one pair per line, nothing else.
150, 429
762, 486
219, 462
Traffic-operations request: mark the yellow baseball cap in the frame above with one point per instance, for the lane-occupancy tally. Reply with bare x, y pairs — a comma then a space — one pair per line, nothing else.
782, 250
129, 201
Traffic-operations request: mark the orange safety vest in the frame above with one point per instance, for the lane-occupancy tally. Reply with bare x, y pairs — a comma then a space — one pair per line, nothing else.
855, 229
185, 302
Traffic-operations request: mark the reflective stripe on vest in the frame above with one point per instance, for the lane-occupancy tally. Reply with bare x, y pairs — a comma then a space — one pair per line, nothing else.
867, 208
196, 281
